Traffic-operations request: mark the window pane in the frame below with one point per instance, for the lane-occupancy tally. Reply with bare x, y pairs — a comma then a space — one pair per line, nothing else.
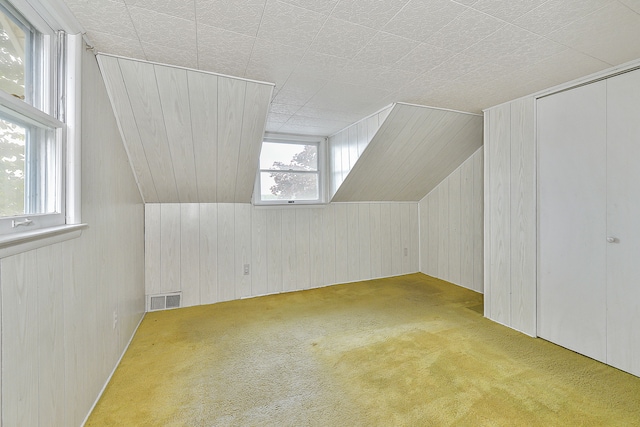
12, 155
29, 178
13, 48
296, 157
289, 186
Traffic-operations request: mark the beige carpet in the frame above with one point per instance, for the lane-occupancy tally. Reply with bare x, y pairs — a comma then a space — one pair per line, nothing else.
404, 351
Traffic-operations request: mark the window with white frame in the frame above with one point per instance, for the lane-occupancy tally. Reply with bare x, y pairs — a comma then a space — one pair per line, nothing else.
32, 149
291, 171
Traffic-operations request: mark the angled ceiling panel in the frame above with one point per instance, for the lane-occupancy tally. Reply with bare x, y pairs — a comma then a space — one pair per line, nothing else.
415, 148
192, 137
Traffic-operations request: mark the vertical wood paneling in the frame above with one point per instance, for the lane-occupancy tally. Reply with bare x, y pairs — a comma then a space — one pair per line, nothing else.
344, 144
488, 117
451, 225
242, 247
362, 140
51, 364
364, 239
397, 251
185, 130
58, 340
336, 162
353, 145
289, 255
170, 247
348, 145
230, 114
375, 238
499, 194
342, 243
128, 127
302, 247
414, 243
208, 253
467, 223
353, 245
433, 241
259, 274
478, 221
372, 127
454, 226
382, 115
274, 251
143, 94
190, 254
203, 103
523, 217
152, 248
20, 340
415, 149
405, 235
385, 240
317, 230
423, 210
253, 122
443, 218
76, 361
174, 100
287, 248
226, 252
329, 244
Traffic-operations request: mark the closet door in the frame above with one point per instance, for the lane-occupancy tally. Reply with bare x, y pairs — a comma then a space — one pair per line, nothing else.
623, 222
571, 128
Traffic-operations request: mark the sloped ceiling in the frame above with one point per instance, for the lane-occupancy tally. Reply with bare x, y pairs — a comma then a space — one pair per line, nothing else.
192, 137
415, 148
337, 61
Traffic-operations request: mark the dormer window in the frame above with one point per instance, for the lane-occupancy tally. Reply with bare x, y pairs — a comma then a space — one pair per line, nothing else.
290, 171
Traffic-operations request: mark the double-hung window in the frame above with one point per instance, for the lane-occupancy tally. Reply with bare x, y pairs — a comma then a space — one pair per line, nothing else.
291, 171
32, 149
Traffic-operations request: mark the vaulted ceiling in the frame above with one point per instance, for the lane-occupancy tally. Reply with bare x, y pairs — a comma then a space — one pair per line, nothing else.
413, 150
334, 62
191, 136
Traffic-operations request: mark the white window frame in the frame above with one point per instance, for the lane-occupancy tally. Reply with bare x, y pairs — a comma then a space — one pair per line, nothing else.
322, 156
58, 109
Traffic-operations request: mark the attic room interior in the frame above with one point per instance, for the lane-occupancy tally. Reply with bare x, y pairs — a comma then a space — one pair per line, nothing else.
329, 212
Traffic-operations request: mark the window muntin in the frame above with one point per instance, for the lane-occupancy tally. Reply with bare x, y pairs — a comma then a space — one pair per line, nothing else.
290, 172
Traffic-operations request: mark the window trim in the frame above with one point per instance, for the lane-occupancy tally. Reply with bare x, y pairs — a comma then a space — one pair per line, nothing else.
321, 142
51, 19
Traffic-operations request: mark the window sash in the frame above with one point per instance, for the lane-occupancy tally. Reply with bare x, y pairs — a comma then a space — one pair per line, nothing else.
302, 141
44, 169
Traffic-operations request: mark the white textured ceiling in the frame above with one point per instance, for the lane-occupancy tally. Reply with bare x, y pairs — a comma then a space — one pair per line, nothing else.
336, 61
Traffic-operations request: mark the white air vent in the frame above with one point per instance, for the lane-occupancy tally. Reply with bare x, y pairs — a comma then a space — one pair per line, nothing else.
163, 302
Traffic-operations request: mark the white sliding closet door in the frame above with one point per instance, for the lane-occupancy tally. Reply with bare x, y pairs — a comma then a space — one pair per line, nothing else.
623, 222
572, 198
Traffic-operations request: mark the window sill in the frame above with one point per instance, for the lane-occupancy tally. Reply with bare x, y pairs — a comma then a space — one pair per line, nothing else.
300, 205
13, 244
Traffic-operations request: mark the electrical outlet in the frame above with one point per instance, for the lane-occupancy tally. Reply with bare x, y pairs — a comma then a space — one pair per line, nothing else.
246, 269
406, 251
115, 318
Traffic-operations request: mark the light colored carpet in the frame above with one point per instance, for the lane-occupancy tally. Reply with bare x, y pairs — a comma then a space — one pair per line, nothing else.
404, 351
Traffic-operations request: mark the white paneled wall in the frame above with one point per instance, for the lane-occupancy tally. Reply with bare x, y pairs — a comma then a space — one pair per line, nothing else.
414, 150
202, 249
59, 341
346, 146
510, 215
192, 136
451, 227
